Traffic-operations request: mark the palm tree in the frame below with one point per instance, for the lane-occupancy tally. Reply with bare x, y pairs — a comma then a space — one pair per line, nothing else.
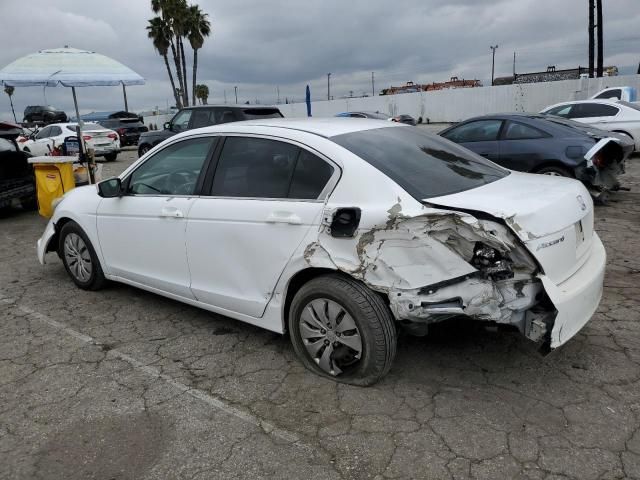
172, 11
199, 28
202, 93
9, 91
160, 33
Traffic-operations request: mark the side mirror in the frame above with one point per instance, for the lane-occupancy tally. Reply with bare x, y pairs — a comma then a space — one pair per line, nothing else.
110, 188
167, 125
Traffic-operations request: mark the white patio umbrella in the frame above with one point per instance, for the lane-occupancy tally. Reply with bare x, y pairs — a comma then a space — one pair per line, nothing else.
69, 67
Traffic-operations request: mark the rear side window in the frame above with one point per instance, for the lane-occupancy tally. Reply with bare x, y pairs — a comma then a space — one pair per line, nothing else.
520, 131
259, 113
587, 110
262, 168
424, 165
478, 131
310, 176
617, 93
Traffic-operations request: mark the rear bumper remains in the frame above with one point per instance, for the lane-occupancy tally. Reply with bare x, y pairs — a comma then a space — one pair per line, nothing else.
577, 298
43, 242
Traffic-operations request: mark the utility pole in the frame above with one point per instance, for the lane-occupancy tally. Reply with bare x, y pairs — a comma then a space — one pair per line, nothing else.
600, 70
236, 89
514, 66
591, 29
278, 93
225, 96
328, 86
493, 62
373, 85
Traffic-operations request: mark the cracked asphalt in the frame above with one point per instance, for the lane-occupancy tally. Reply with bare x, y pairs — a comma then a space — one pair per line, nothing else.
124, 384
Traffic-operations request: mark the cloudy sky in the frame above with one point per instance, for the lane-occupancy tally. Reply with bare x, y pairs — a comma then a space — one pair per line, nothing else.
263, 45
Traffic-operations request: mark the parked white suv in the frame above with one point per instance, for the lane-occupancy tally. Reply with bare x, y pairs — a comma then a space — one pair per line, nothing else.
339, 231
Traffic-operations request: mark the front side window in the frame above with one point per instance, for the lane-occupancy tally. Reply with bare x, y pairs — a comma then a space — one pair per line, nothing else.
561, 111
520, 131
424, 165
262, 168
478, 131
174, 170
181, 121
44, 133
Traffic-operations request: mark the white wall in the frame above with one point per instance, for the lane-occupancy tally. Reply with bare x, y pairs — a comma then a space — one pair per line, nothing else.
459, 104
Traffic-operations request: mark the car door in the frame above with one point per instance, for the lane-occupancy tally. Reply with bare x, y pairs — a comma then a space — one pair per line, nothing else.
142, 233
479, 136
264, 197
55, 137
523, 147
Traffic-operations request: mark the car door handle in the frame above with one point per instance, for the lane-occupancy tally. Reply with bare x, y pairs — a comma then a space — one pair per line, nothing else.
284, 217
171, 212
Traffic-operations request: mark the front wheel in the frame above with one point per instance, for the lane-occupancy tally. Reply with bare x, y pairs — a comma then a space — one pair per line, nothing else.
79, 258
143, 149
342, 330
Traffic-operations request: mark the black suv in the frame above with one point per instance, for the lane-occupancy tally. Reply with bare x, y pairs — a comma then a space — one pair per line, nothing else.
44, 114
129, 129
203, 116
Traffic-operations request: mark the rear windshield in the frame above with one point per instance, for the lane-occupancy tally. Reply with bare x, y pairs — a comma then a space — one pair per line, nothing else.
424, 165
635, 106
582, 127
253, 113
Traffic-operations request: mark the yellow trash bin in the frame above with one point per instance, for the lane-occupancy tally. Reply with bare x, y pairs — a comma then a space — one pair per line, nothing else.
54, 177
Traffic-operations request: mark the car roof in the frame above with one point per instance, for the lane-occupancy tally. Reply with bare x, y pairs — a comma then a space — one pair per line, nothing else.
508, 116
232, 106
324, 127
594, 100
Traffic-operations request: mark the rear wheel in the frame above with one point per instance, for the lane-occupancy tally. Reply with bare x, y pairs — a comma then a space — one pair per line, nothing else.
111, 157
555, 171
342, 330
79, 258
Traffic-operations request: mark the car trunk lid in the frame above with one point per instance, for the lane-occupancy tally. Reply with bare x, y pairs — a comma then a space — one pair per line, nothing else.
552, 216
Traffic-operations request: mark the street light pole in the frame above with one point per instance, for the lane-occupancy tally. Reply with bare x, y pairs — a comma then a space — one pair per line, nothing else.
236, 89
328, 86
493, 62
373, 85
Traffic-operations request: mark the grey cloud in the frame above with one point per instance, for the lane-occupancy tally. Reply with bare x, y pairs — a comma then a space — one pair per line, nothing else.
260, 45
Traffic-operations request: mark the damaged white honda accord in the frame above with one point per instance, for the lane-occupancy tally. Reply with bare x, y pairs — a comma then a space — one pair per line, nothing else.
338, 231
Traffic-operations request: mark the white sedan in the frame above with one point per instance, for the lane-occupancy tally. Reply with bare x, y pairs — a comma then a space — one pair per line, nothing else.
339, 231
615, 116
105, 142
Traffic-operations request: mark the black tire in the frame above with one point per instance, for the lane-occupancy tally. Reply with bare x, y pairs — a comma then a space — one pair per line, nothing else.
371, 315
143, 149
29, 203
111, 157
555, 170
95, 280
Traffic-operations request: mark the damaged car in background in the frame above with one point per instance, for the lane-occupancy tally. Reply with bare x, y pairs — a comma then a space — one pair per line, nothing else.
549, 145
339, 232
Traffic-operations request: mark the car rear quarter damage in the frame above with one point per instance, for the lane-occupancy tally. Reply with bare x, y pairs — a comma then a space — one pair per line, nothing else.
444, 263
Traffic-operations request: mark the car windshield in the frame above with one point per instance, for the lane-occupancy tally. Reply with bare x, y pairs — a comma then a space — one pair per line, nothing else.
424, 165
253, 113
86, 127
